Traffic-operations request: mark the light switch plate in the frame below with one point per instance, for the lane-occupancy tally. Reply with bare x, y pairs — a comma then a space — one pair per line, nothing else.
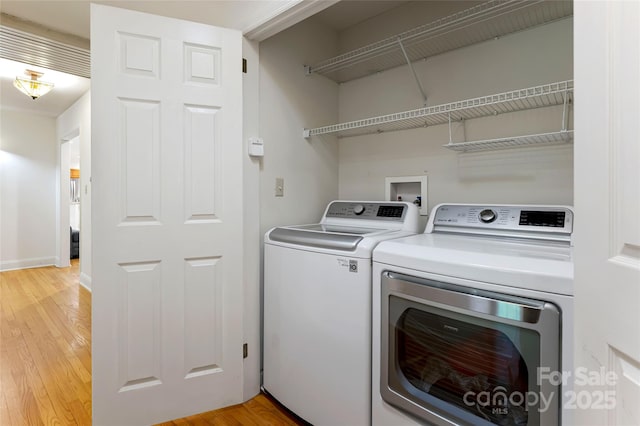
279, 187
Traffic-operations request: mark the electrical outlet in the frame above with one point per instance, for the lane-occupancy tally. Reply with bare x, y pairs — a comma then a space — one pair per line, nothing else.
279, 187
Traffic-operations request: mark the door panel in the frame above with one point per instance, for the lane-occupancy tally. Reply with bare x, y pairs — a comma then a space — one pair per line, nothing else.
201, 155
167, 156
607, 201
203, 320
139, 353
140, 156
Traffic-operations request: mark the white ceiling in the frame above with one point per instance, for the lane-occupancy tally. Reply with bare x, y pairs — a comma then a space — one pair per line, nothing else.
72, 17
348, 13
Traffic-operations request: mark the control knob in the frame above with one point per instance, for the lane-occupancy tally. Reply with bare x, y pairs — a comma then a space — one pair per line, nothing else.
487, 216
358, 209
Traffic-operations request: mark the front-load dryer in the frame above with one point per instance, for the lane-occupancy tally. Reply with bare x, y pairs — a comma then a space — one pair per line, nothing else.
473, 319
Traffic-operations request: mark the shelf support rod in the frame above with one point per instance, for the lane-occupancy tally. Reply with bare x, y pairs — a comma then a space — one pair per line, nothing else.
450, 139
565, 116
406, 58
463, 121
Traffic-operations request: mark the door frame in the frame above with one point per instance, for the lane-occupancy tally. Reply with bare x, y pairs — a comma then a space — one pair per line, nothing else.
63, 203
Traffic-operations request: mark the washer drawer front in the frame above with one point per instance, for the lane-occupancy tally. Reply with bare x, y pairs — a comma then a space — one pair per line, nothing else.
446, 348
317, 311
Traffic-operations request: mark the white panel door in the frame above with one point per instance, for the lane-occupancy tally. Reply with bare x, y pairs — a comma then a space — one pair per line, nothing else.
607, 206
167, 219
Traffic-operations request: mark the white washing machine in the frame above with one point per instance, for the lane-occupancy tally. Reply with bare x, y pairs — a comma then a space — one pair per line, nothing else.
473, 319
317, 309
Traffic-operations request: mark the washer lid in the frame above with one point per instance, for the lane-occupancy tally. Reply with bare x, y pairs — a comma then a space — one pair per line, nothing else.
323, 236
336, 229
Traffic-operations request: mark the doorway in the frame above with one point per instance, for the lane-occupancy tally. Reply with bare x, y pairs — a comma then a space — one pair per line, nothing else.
74, 197
69, 209
74, 175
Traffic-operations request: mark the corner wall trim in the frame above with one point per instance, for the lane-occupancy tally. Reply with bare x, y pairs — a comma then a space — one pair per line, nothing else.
286, 16
85, 281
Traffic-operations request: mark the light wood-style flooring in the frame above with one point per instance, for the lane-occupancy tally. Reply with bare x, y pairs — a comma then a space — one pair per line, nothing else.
255, 412
45, 356
45, 348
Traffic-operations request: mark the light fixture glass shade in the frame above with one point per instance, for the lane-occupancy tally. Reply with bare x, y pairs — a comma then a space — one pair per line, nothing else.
32, 87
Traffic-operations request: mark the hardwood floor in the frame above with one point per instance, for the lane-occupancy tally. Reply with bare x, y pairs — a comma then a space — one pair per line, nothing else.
45, 347
255, 412
45, 356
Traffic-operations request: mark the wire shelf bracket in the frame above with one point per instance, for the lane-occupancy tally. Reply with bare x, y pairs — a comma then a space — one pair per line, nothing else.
413, 71
552, 138
562, 136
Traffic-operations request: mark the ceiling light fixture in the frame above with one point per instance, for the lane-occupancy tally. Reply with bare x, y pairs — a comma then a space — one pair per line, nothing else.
32, 87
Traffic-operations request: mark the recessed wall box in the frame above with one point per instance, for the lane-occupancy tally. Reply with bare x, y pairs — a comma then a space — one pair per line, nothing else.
412, 189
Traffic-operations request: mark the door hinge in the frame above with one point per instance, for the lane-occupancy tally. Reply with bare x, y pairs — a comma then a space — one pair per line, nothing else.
244, 65
245, 350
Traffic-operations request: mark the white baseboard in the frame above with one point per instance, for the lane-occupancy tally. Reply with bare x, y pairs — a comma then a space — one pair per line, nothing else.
36, 262
85, 281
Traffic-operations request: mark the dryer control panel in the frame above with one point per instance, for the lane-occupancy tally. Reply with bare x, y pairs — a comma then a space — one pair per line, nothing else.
521, 221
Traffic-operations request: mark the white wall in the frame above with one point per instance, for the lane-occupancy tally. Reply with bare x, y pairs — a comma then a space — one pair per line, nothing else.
76, 121
27, 190
404, 17
524, 175
289, 102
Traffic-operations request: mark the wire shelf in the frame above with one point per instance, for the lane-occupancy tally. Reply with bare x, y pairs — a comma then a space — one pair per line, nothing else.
483, 22
553, 138
516, 100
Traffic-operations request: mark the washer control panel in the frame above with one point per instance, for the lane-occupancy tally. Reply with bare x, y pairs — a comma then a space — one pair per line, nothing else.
554, 219
367, 210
